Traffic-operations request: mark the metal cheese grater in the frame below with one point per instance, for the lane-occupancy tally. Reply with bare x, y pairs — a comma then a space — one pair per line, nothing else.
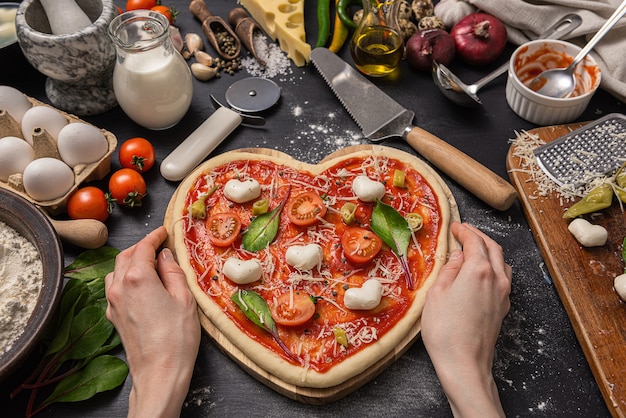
594, 150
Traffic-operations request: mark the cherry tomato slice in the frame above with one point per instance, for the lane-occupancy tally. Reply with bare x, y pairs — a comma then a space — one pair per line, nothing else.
304, 209
284, 312
88, 203
223, 228
360, 245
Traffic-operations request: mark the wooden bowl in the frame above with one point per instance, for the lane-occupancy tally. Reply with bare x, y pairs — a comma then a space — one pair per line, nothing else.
25, 218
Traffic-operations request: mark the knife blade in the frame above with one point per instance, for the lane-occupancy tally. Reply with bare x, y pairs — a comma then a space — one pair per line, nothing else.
381, 117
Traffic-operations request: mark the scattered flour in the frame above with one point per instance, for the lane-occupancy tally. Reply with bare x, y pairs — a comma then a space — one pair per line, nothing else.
21, 276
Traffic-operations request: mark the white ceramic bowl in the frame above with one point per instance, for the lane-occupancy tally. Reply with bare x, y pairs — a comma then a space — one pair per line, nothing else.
528, 61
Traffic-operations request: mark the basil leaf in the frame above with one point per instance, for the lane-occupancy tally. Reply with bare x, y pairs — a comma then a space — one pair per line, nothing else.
90, 329
101, 374
393, 229
256, 309
92, 264
263, 229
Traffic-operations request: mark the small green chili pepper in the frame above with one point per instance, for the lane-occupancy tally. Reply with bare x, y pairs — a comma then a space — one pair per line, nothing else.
323, 22
198, 207
348, 211
399, 179
340, 336
598, 198
260, 206
342, 11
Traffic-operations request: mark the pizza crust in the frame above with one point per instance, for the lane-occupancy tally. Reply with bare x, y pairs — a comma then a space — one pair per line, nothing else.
265, 358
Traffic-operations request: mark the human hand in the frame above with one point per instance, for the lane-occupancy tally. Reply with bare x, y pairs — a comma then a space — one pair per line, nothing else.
155, 314
461, 322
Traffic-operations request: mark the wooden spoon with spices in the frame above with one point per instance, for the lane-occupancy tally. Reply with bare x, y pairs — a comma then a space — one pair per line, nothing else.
217, 31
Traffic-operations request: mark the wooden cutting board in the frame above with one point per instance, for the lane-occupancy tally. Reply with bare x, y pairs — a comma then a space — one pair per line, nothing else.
313, 396
583, 277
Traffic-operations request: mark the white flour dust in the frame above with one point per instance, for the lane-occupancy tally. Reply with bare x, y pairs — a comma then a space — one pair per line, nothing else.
322, 135
21, 276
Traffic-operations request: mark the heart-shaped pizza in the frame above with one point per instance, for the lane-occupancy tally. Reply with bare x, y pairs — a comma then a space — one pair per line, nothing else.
314, 273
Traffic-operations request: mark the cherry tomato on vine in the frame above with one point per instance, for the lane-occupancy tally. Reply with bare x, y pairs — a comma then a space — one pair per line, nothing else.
140, 4
360, 245
304, 209
223, 228
89, 202
284, 312
137, 154
168, 11
127, 187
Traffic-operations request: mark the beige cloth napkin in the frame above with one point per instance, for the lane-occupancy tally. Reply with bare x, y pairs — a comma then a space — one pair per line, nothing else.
526, 19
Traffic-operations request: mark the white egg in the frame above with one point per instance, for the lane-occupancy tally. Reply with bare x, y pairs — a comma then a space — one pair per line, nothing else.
14, 102
47, 179
81, 143
366, 189
42, 117
15, 155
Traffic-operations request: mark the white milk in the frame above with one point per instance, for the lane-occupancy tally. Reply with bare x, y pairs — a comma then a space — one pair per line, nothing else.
153, 90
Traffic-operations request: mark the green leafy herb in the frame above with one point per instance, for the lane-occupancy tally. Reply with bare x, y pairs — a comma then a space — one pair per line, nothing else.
256, 309
78, 337
394, 230
263, 229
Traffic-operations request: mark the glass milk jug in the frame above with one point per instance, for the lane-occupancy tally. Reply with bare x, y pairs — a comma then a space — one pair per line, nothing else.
151, 80
376, 45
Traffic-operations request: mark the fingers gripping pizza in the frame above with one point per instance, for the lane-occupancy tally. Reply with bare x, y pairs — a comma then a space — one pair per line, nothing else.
314, 272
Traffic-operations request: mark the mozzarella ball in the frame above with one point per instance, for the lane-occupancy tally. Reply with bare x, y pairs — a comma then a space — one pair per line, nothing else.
47, 179
242, 271
587, 234
242, 191
81, 143
15, 155
14, 102
367, 190
42, 117
304, 257
620, 286
365, 297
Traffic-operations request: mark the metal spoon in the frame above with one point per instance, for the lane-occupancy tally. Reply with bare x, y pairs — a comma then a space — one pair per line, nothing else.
465, 95
560, 82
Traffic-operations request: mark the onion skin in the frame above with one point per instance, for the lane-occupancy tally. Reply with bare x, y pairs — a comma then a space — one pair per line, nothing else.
429, 45
480, 38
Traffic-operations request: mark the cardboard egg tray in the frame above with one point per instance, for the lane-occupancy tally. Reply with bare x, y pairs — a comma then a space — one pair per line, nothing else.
45, 146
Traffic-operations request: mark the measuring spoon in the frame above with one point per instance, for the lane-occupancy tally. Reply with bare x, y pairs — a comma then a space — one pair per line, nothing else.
465, 95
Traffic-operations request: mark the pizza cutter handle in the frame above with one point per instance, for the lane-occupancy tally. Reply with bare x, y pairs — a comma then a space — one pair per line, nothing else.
467, 172
197, 146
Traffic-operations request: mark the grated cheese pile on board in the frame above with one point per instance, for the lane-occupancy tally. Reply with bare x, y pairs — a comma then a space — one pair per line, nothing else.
524, 144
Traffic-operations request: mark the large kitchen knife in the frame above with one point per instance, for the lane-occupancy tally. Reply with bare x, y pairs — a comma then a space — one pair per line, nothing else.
381, 117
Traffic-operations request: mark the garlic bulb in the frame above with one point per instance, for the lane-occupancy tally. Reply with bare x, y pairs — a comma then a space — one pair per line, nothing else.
451, 11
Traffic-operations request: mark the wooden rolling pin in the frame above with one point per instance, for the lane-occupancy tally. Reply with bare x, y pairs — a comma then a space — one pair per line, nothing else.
84, 233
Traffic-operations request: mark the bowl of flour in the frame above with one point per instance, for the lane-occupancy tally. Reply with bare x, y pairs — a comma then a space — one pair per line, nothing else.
31, 278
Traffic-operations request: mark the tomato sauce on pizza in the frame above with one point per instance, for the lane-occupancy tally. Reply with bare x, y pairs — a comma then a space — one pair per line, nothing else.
330, 332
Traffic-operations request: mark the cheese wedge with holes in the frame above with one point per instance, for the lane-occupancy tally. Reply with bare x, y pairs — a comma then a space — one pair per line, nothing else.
283, 20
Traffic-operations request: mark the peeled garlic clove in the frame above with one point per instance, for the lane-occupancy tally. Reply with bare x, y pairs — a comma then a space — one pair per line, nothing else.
203, 72
194, 43
204, 58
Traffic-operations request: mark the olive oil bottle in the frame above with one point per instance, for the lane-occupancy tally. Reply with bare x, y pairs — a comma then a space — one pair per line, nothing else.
376, 45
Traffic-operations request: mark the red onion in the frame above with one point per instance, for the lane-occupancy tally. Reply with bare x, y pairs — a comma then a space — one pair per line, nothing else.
429, 45
480, 38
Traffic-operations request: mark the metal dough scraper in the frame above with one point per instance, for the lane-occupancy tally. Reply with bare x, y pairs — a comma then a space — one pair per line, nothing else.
593, 150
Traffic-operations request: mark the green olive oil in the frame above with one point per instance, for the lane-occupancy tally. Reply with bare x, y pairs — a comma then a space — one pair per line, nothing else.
377, 50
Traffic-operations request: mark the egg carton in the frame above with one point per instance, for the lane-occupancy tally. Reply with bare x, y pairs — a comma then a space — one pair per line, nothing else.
45, 146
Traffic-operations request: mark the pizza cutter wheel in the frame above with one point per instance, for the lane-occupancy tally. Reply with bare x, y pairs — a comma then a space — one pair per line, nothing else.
250, 95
